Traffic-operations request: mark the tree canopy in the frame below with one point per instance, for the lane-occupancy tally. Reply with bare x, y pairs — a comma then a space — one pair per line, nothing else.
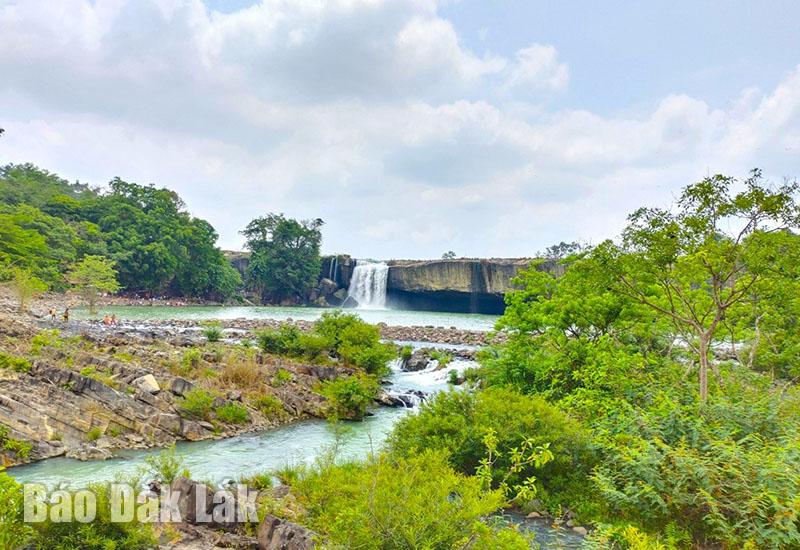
47, 224
285, 261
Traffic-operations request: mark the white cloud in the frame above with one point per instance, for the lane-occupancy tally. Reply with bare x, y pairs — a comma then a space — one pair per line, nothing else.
372, 115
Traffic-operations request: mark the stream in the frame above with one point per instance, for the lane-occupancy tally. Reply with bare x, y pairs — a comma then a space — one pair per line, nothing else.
299, 442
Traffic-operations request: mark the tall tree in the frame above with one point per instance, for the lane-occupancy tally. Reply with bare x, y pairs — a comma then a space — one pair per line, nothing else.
285, 260
92, 276
694, 264
26, 286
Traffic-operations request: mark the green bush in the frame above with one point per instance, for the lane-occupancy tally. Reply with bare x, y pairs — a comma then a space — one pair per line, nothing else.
100, 534
13, 532
270, 406
406, 352
259, 482
166, 466
232, 413
349, 396
282, 377
212, 330
281, 341
50, 338
415, 502
458, 421
357, 343
197, 404
191, 358
94, 434
11, 362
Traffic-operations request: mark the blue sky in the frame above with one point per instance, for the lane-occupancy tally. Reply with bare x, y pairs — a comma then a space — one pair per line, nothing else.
411, 127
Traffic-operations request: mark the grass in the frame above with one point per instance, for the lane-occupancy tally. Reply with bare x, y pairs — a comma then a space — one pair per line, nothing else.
101, 376
270, 406
232, 413
197, 404
94, 434
282, 377
11, 362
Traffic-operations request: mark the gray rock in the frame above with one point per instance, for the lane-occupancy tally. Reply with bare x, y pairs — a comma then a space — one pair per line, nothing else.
580, 530
278, 534
147, 383
327, 287
418, 361
180, 386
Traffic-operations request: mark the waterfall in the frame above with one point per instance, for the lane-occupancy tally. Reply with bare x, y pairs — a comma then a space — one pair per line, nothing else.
368, 285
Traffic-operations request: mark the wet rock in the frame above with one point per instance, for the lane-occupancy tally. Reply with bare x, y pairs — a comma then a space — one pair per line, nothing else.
580, 530
327, 287
418, 361
278, 534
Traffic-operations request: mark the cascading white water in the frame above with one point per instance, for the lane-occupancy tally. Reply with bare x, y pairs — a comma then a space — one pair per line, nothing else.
368, 285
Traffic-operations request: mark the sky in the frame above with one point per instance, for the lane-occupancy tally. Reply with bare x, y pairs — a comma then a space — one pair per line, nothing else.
412, 127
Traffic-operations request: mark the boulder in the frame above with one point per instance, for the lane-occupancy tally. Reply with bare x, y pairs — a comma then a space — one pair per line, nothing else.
180, 386
187, 501
278, 534
147, 383
327, 287
338, 297
418, 361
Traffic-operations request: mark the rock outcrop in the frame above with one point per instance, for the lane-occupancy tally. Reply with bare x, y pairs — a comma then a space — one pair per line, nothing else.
278, 534
463, 285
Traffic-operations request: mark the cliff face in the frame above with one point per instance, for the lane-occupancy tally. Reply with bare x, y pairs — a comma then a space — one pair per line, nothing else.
463, 285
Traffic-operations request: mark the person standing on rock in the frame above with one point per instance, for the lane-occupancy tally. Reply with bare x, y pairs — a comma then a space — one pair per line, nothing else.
52, 315
65, 315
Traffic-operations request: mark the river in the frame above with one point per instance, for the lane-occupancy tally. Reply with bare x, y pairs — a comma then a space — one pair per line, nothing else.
299, 442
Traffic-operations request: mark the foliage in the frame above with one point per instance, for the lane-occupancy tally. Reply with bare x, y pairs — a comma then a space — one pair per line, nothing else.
100, 534
166, 466
92, 276
20, 448
26, 286
232, 413
285, 260
191, 358
212, 330
458, 423
282, 377
270, 406
357, 343
48, 224
415, 502
197, 404
100, 375
13, 532
94, 434
336, 334
349, 396
46, 339
11, 362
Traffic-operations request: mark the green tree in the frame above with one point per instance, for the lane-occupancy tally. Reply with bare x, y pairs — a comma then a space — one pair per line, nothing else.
285, 261
693, 265
26, 286
92, 276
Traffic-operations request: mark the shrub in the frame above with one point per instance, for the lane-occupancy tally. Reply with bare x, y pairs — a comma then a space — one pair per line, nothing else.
46, 339
94, 434
232, 413
452, 377
100, 534
444, 358
191, 358
11, 362
356, 342
281, 341
282, 377
197, 404
259, 481
212, 330
242, 374
13, 532
349, 396
406, 352
166, 466
415, 502
270, 406
457, 422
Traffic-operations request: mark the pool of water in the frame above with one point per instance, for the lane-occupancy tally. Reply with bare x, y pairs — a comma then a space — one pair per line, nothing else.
399, 317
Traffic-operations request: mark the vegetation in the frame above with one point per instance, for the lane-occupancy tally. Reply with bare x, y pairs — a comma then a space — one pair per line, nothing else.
232, 413
624, 342
349, 396
198, 404
166, 466
13, 532
92, 276
212, 331
48, 224
100, 534
415, 502
285, 260
11, 362
25, 286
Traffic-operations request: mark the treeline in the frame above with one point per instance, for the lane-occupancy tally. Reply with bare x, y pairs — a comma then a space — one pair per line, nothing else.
47, 224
